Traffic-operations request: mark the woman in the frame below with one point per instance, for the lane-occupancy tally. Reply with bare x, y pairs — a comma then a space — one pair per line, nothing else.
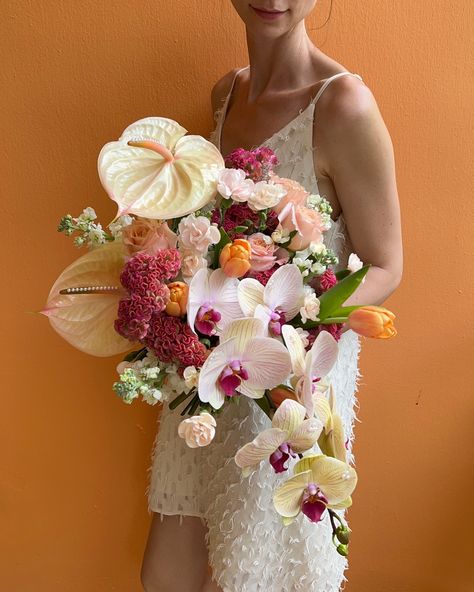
343, 151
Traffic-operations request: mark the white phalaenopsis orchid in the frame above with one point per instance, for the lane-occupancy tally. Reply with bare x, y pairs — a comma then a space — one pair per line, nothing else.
320, 482
246, 362
276, 303
311, 365
289, 435
212, 301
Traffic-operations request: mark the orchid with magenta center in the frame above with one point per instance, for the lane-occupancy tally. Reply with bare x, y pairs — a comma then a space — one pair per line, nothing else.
212, 299
246, 361
319, 482
311, 365
276, 303
289, 435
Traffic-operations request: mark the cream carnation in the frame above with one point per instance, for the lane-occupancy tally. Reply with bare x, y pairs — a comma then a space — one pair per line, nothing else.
310, 308
266, 195
197, 233
198, 430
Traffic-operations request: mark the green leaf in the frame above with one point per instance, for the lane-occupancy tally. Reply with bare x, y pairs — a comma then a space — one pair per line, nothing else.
220, 245
138, 354
264, 405
179, 399
345, 311
241, 228
342, 273
331, 300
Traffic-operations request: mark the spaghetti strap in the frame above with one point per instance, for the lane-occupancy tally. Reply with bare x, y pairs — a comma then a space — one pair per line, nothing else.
329, 80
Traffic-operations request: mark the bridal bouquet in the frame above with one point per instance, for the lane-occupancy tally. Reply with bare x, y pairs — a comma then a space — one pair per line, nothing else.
215, 279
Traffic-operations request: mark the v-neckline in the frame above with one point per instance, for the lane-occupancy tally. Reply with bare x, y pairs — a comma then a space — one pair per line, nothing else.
223, 113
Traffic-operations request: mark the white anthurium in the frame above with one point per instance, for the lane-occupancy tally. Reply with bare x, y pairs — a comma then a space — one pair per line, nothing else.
157, 171
212, 301
311, 365
245, 362
276, 303
290, 435
319, 482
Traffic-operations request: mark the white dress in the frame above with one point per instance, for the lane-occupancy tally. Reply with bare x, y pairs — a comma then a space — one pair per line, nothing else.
249, 548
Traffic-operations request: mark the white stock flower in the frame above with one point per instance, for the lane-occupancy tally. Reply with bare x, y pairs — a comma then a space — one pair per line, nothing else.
354, 263
117, 226
198, 430
310, 308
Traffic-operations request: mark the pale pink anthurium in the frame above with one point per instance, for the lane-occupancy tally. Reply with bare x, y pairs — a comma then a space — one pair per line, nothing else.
276, 303
309, 366
245, 362
82, 304
212, 301
156, 171
289, 435
319, 482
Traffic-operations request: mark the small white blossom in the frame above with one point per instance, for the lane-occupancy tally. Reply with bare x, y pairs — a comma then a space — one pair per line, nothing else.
354, 263
88, 214
310, 308
191, 377
318, 248
117, 226
152, 396
317, 268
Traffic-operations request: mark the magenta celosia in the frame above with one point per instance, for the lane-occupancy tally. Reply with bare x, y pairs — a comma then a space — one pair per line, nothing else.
134, 313
333, 328
263, 276
327, 280
257, 163
172, 340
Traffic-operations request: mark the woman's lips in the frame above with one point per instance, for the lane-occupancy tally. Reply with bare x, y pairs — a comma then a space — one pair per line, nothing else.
267, 14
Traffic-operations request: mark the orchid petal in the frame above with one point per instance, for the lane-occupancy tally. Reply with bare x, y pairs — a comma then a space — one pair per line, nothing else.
267, 362
333, 442
223, 296
295, 347
289, 416
198, 294
284, 290
322, 410
336, 479
322, 356
260, 448
305, 463
86, 321
243, 330
263, 313
208, 386
250, 295
252, 393
164, 174
306, 435
287, 498
347, 503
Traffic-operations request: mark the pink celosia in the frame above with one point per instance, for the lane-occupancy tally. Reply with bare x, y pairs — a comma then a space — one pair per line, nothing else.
257, 163
327, 280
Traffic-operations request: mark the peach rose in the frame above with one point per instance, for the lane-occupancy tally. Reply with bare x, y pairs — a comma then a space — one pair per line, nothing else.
372, 321
191, 262
296, 194
307, 223
149, 236
265, 252
198, 430
235, 258
178, 301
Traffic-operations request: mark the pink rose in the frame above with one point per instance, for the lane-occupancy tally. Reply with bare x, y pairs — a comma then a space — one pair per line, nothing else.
149, 236
307, 223
296, 194
197, 234
265, 252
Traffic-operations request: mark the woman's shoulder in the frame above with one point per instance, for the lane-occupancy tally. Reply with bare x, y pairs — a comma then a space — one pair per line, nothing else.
221, 89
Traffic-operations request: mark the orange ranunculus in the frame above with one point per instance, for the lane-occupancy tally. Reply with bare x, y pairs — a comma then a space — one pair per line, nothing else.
235, 258
372, 321
176, 306
280, 393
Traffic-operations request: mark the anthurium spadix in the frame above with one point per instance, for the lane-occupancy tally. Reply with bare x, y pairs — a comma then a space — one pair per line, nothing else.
212, 301
289, 435
82, 304
245, 362
311, 365
157, 171
276, 303
319, 482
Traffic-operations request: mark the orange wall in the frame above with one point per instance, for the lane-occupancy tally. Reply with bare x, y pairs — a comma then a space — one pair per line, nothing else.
74, 457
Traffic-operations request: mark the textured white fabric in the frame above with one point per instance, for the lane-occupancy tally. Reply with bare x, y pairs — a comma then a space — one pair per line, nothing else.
249, 548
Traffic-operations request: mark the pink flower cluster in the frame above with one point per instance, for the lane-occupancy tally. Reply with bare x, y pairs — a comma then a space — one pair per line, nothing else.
172, 340
257, 163
143, 276
324, 282
240, 214
334, 329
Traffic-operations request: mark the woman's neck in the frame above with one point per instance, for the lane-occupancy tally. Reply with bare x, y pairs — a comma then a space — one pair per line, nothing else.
278, 64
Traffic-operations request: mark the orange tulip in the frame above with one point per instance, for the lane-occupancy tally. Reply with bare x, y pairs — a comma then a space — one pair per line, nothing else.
235, 258
372, 321
280, 393
178, 301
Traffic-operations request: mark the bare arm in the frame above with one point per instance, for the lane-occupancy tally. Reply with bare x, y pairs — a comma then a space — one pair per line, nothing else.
359, 158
